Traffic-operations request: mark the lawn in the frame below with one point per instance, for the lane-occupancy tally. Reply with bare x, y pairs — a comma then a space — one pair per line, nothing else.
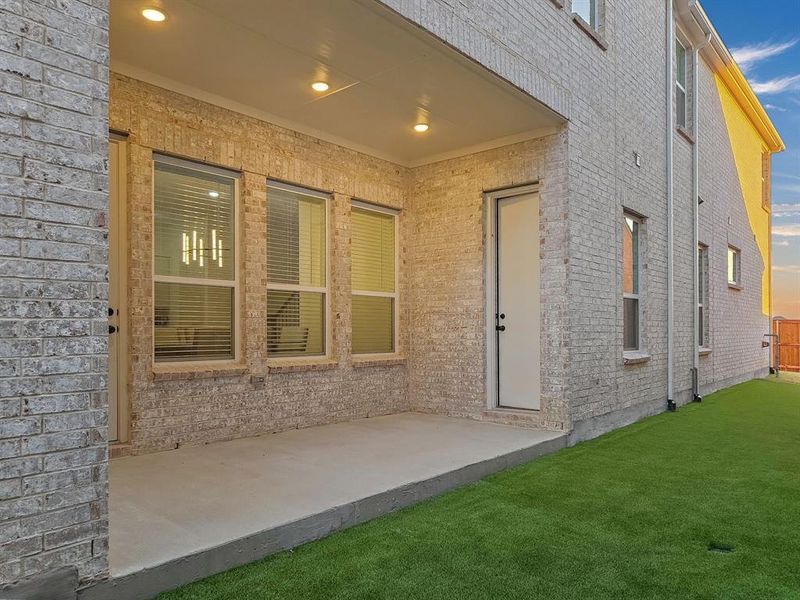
701, 503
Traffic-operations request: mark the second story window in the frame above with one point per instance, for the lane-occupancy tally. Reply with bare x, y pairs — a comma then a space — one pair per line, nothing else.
586, 10
734, 267
680, 84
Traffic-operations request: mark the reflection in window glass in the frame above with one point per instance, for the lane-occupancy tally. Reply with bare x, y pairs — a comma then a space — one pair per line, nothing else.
296, 271
194, 262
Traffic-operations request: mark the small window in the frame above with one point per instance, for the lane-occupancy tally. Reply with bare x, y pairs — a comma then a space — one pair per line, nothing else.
703, 328
374, 279
631, 282
680, 84
734, 266
586, 10
194, 262
297, 279
766, 192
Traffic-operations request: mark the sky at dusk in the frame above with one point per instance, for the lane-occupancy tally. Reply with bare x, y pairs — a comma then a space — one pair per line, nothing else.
764, 37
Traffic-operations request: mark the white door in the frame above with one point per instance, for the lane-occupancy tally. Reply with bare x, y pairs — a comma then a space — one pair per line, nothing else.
117, 269
517, 322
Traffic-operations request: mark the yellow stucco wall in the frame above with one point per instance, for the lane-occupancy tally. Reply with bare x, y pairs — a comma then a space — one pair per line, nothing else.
748, 147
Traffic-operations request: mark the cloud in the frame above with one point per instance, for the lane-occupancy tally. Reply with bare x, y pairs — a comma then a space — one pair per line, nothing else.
781, 243
786, 268
773, 107
785, 210
786, 175
749, 56
787, 187
792, 230
777, 85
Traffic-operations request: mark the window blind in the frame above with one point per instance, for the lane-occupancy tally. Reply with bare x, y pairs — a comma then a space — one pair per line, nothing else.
296, 271
194, 263
373, 250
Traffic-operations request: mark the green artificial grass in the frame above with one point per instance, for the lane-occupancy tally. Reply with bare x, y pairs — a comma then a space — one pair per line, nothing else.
701, 503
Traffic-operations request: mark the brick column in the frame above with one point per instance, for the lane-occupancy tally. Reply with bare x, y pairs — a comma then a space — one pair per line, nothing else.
53, 293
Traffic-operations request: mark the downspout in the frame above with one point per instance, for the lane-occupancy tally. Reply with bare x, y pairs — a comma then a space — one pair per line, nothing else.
670, 126
696, 208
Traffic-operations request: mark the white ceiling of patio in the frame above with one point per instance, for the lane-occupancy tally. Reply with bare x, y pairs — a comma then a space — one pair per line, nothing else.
385, 74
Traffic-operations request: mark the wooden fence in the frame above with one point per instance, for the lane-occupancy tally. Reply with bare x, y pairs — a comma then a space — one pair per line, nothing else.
789, 332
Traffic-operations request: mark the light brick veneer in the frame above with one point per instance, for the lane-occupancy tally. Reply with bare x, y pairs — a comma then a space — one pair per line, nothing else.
184, 406
53, 203
53, 257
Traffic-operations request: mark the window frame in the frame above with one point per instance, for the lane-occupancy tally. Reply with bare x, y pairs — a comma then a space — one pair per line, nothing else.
703, 291
200, 167
364, 205
638, 294
736, 283
682, 86
327, 197
594, 14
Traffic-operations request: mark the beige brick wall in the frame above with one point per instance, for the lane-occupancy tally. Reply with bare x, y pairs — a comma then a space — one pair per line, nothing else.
442, 262
448, 283
193, 407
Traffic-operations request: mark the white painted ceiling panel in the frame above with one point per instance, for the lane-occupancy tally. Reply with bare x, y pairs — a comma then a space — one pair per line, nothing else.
384, 72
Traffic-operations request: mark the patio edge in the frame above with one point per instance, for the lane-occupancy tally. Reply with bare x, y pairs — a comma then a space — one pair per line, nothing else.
149, 582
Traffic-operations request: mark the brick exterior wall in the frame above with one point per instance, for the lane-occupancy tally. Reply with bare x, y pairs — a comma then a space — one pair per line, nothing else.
448, 284
53, 253
613, 94
53, 257
737, 324
192, 406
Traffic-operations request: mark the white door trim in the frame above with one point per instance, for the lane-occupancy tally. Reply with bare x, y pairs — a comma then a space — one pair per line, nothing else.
490, 212
119, 237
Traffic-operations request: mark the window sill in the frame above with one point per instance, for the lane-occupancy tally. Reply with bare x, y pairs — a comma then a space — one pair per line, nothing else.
378, 360
704, 351
590, 31
299, 365
635, 357
198, 371
735, 286
685, 134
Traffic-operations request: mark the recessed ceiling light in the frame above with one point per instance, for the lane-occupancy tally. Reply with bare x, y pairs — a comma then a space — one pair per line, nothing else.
320, 86
153, 14
421, 127
214, 194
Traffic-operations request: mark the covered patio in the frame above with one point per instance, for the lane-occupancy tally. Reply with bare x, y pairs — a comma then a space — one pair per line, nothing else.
252, 406
179, 516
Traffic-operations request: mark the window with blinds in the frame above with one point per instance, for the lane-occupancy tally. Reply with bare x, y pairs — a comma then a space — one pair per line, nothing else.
194, 262
373, 250
296, 271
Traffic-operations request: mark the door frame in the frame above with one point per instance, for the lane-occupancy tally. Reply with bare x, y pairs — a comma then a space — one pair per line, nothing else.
491, 199
119, 237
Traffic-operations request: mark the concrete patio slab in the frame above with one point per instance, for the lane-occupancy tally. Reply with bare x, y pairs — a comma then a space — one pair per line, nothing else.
181, 515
